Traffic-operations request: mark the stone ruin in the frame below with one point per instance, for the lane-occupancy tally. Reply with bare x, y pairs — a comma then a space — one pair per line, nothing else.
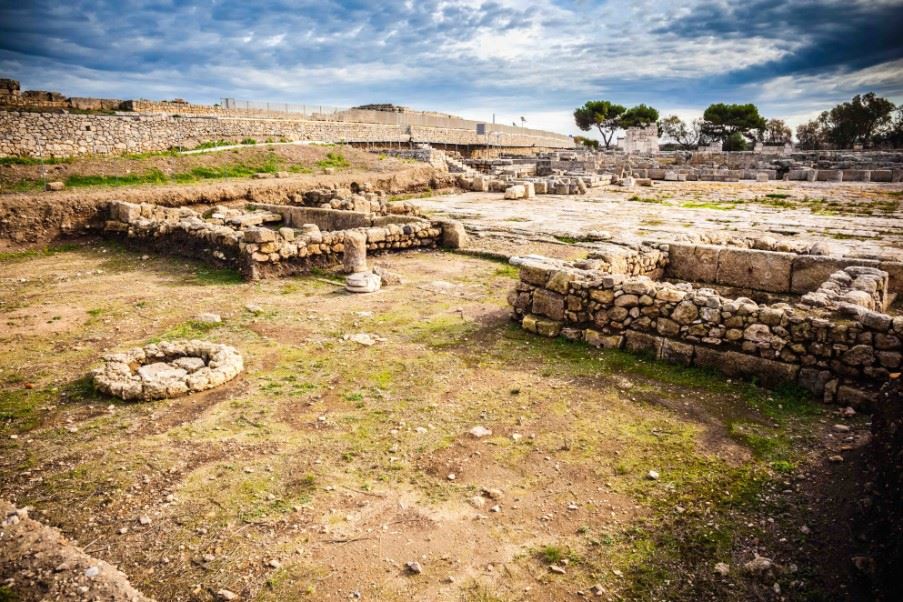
168, 369
821, 322
263, 240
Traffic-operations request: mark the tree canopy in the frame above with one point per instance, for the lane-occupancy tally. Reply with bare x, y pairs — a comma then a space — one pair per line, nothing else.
722, 121
601, 114
638, 116
688, 136
867, 119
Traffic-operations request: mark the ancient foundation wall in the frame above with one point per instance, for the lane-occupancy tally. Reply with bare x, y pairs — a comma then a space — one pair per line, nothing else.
769, 271
294, 244
842, 356
62, 134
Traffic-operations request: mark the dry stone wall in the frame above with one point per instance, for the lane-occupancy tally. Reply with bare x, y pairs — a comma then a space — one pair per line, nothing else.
271, 240
63, 134
842, 353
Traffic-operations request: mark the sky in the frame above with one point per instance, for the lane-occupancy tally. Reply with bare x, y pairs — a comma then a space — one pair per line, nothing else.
538, 60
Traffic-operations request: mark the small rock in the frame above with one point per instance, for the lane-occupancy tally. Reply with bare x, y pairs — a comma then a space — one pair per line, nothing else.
209, 318
557, 569
652, 475
597, 590
722, 569
478, 432
253, 308
274, 564
413, 567
144, 520
123, 530
92, 571
496, 508
758, 565
835, 459
225, 594
841, 428
451, 476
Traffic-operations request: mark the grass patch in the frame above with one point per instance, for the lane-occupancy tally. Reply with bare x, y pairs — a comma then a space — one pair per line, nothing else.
48, 251
716, 205
776, 195
651, 200
333, 160
217, 276
5, 161
568, 240
508, 271
249, 141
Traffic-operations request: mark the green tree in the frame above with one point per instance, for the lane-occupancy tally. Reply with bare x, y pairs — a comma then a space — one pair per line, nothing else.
638, 116
859, 120
587, 142
688, 136
734, 142
777, 132
601, 114
812, 135
723, 121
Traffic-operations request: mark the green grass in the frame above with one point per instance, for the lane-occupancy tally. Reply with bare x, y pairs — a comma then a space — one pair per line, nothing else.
333, 160
249, 141
652, 200
717, 205
155, 176
568, 240
5, 161
776, 195
213, 144
35, 253
217, 276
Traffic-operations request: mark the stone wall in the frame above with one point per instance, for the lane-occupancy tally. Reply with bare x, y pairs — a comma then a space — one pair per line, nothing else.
842, 353
62, 134
271, 240
764, 270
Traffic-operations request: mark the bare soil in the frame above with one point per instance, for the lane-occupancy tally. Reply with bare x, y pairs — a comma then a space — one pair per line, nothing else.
327, 466
41, 217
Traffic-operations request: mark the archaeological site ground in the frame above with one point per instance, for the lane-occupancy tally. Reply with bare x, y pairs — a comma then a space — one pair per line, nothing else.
384, 354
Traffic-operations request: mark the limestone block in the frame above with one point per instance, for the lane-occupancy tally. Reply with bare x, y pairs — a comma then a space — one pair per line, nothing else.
515, 192
597, 339
258, 235
676, 352
696, 263
363, 282
549, 304
759, 270
453, 235
640, 342
736, 364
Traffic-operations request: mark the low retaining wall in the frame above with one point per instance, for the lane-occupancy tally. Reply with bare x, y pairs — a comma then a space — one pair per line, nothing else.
844, 358
61, 134
770, 271
241, 241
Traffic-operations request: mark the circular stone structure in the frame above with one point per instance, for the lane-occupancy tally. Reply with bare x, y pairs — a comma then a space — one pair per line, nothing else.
167, 369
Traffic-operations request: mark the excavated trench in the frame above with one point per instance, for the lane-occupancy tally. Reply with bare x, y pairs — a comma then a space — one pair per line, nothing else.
34, 219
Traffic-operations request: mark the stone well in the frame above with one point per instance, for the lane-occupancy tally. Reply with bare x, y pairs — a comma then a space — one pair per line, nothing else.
167, 369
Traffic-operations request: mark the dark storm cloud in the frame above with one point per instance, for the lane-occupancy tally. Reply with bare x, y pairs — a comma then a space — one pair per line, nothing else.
544, 56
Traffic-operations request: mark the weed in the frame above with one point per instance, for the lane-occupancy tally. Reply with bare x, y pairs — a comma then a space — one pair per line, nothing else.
333, 160
652, 200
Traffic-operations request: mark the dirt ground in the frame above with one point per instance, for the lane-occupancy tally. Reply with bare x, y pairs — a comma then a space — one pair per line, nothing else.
30, 216
328, 466
852, 217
